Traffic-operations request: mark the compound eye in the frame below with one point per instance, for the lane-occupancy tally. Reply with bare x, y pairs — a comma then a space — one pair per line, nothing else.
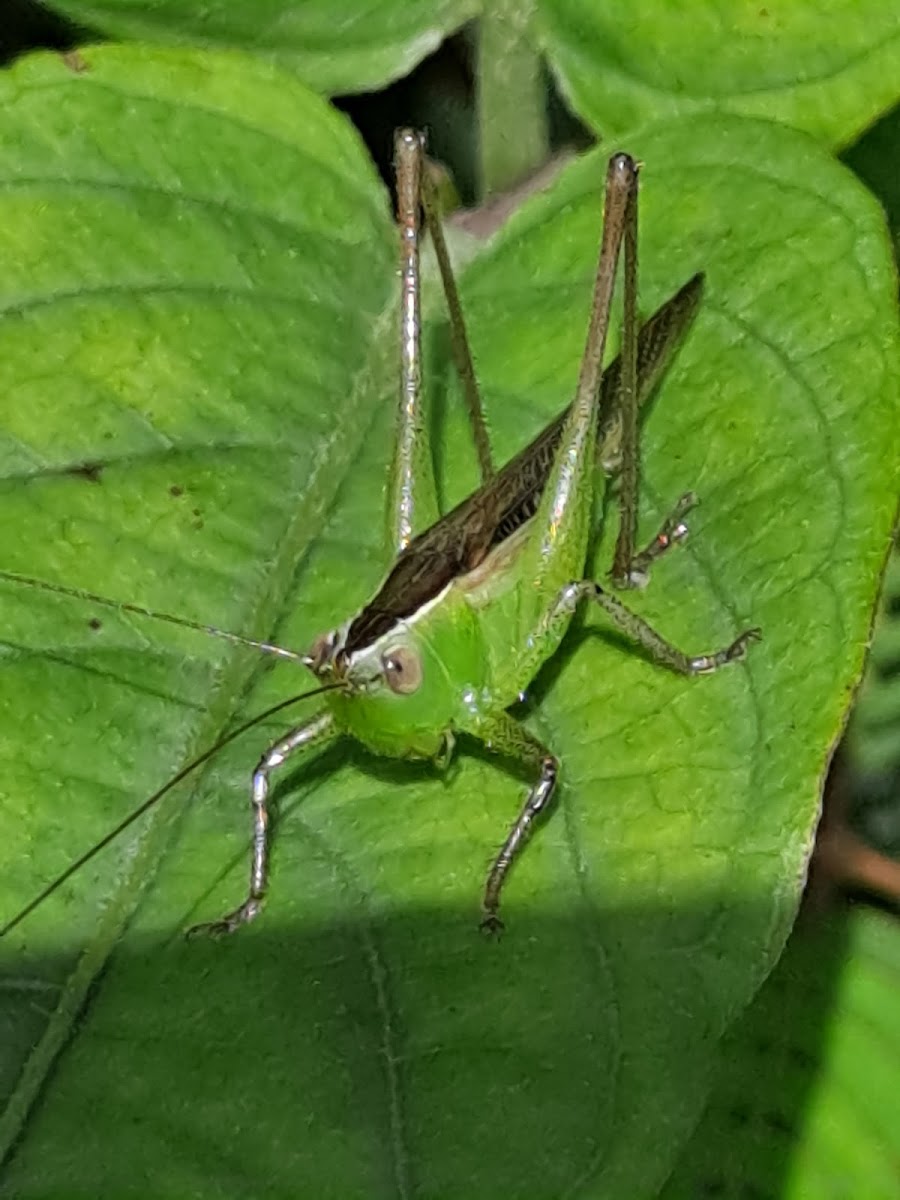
402, 669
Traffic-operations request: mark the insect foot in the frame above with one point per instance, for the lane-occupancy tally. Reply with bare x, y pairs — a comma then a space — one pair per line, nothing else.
733, 653
672, 532
491, 925
228, 924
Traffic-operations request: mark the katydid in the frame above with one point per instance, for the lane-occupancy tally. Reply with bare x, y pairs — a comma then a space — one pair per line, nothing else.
478, 599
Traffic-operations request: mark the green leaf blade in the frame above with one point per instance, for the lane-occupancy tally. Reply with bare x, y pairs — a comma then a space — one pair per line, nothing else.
831, 72
780, 540
359, 49
124, 453
362, 1039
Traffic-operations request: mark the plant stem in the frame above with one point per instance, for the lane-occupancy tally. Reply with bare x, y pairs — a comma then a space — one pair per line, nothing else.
512, 116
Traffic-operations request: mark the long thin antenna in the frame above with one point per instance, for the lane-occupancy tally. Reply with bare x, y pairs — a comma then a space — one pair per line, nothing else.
147, 804
121, 605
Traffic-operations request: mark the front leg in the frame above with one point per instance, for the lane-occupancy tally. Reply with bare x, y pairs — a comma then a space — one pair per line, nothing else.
313, 732
506, 736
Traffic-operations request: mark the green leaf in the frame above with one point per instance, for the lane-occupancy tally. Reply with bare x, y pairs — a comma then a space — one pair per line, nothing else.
197, 389
512, 95
356, 47
830, 68
805, 1103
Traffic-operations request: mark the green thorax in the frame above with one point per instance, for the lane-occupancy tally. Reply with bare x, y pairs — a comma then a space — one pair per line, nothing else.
443, 669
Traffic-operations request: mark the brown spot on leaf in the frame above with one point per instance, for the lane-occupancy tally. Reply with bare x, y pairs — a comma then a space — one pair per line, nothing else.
75, 61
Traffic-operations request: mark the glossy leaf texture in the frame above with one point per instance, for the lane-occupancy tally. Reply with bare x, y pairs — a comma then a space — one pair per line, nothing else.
357, 46
198, 358
830, 69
